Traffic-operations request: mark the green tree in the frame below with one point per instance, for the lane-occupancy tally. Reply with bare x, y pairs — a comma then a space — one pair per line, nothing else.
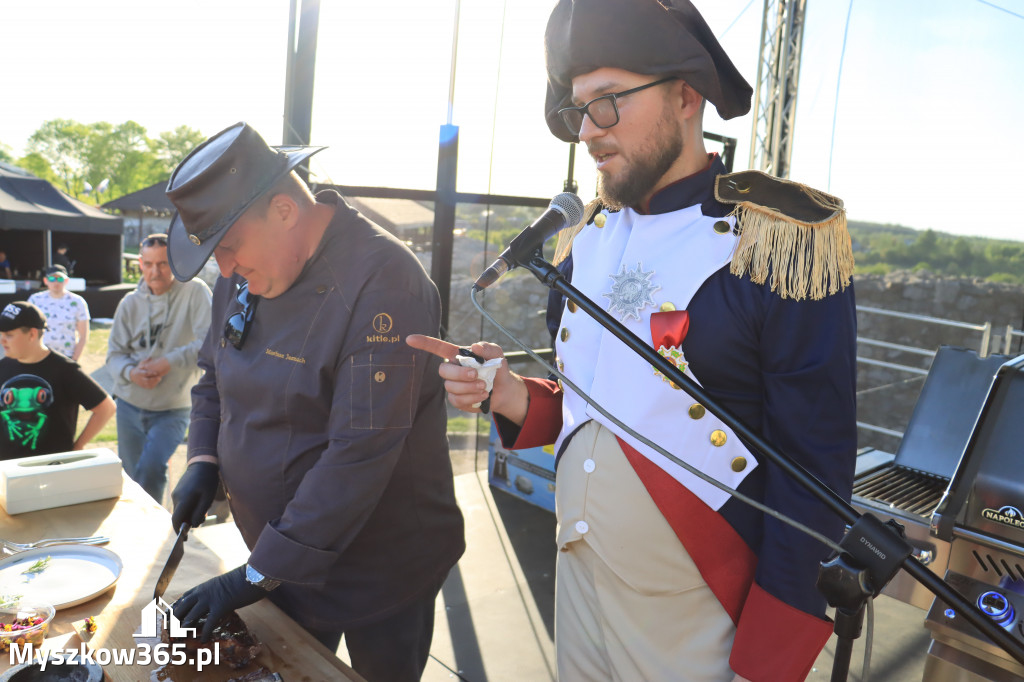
5, 154
38, 166
64, 145
963, 255
120, 154
71, 154
172, 146
882, 248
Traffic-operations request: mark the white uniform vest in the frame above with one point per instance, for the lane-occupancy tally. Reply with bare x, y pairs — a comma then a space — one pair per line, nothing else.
680, 250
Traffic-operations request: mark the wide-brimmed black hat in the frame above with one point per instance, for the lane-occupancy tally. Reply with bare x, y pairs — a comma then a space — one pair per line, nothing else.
656, 37
215, 184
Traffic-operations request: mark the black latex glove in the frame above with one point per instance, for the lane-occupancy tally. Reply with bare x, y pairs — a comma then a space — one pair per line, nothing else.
215, 599
194, 494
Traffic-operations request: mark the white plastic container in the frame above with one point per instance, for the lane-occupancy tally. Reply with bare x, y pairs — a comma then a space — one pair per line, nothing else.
63, 478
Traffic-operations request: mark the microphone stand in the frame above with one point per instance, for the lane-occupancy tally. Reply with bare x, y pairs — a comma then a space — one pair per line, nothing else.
873, 551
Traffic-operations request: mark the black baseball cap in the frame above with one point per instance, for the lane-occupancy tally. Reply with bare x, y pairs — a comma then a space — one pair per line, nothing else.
21, 314
57, 269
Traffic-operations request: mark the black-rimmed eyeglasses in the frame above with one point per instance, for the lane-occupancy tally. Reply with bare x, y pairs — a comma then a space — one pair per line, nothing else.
236, 329
603, 111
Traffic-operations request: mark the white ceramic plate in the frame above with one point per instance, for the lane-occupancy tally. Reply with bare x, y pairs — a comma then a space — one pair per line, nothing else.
74, 575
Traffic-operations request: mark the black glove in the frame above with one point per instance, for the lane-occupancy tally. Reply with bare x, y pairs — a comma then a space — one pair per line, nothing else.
215, 599
194, 494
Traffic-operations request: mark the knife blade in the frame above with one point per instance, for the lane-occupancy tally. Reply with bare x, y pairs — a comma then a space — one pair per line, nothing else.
177, 551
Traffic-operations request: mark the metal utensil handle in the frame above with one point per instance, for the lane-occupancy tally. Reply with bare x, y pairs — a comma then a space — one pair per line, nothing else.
97, 540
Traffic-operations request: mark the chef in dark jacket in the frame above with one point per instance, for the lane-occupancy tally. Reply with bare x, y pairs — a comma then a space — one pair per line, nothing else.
326, 430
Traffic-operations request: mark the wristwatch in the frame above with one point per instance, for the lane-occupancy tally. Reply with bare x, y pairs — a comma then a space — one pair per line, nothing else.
254, 577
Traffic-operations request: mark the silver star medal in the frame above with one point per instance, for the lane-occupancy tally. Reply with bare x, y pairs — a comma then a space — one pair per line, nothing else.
631, 292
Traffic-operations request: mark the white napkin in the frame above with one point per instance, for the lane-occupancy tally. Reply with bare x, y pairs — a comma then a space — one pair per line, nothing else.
485, 371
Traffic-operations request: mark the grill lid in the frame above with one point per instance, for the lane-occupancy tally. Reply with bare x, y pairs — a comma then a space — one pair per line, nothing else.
989, 473
945, 414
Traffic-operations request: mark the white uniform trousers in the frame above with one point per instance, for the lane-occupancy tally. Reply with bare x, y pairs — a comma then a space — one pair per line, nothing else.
630, 604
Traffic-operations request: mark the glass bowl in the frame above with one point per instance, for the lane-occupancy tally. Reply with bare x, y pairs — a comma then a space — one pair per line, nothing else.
24, 622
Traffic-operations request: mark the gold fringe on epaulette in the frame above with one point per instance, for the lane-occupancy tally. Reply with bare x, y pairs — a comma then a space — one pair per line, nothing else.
565, 238
804, 259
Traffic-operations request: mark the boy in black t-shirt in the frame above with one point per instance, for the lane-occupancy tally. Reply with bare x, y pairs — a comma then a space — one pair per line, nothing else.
40, 391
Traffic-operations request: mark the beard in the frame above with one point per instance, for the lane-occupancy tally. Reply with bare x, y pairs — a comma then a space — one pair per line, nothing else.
651, 160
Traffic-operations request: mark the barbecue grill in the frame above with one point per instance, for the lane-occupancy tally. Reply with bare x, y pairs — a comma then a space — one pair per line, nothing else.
957, 485
908, 488
980, 514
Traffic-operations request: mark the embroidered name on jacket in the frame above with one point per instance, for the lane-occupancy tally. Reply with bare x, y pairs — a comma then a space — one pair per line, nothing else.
285, 356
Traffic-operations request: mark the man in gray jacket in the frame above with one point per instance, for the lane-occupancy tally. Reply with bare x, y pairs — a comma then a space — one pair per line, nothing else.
151, 354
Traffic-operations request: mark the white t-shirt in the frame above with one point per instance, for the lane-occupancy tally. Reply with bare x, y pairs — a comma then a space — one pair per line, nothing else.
62, 316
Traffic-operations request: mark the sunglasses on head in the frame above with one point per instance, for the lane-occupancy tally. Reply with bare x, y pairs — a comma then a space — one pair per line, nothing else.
154, 240
236, 329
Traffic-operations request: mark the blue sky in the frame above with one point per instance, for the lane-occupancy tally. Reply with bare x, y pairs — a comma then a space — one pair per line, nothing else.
926, 131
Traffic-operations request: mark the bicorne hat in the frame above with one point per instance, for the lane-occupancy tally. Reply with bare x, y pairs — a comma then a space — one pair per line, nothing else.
215, 184
655, 37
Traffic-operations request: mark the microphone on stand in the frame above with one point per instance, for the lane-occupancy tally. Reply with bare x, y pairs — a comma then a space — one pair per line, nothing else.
565, 210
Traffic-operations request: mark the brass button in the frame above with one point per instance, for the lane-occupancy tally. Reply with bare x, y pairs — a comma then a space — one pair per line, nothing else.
571, 306
721, 227
739, 464
600, 219
321, 289
223, 343
667, 307
379, 377
696, 411
561, 366
560, 387
718, 438
194, 239
564, 335
673, 385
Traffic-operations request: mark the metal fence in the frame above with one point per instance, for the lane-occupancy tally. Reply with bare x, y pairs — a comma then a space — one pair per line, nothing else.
984, 344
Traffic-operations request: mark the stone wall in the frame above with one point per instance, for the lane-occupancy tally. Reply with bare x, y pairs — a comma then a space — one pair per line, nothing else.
517, 301
886, 397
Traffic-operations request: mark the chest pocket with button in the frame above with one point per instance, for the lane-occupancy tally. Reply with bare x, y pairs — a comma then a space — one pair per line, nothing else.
382, 391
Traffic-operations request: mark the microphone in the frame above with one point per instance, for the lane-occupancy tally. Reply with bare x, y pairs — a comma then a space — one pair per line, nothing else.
565, 210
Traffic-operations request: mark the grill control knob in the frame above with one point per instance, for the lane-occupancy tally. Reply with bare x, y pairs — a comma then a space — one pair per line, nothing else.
998, 607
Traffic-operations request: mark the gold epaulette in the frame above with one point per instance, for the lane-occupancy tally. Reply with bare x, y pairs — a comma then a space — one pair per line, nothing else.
794, 232
564, 244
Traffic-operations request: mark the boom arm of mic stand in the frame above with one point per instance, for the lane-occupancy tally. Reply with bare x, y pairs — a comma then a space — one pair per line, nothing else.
553, 279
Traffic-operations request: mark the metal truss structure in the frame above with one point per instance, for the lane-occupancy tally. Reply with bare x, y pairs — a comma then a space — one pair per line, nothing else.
778, 74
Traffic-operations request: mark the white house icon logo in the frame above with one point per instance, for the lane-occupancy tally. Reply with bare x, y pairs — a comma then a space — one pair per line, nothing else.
158, 616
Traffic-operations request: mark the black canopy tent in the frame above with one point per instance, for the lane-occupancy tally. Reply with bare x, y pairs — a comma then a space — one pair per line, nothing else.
35, 217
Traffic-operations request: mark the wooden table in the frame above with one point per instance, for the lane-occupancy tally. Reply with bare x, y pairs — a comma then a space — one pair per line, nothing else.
140, 532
